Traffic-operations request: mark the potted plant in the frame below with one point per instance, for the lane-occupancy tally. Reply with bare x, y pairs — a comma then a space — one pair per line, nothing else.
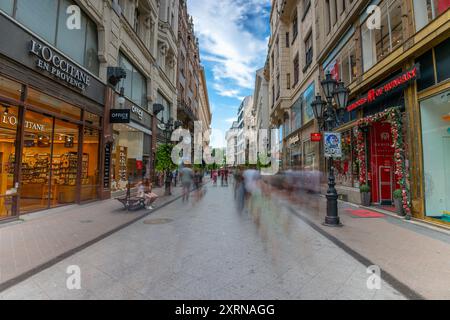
398, 197
365, 195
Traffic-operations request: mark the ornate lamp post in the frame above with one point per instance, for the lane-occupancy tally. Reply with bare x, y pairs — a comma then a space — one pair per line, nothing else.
167, 127
329, 117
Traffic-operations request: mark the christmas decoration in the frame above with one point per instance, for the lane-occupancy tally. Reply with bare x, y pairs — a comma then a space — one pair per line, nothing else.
394, 117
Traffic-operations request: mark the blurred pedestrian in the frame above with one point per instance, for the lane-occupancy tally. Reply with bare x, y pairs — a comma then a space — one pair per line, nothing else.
186, 181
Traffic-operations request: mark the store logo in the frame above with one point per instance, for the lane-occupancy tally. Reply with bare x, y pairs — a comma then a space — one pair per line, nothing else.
374, 20
374, 280
73, 282
74, 20
138, 111
385, 136
59, 67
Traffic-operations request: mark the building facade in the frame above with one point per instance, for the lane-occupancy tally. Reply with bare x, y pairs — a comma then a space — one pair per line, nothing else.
58, 144
293, 81
396, 128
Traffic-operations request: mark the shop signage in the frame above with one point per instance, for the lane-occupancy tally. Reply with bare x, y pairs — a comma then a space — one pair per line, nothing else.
107, 173
59, 67
332, 145
138, 111
316, 137
293, 139
119, 116
12, 120
373, 94
139, 165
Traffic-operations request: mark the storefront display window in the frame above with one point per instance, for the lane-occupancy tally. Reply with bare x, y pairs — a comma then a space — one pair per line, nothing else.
90, 179
309, 155
427, 10
377, 43
296, 114
8, 136
343, 67
46, 102
10, 89
435, 113
346, 167
92, 119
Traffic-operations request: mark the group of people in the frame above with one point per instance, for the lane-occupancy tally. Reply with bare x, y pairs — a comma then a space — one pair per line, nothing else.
223, 174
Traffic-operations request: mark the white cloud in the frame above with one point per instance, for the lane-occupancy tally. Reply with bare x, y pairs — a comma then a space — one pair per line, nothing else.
224, 40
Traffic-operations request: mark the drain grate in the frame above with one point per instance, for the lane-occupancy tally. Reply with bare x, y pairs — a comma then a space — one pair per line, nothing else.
157, 221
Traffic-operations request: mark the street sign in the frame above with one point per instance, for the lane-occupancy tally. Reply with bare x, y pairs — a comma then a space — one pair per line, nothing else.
119, 116
332, 145
316, 137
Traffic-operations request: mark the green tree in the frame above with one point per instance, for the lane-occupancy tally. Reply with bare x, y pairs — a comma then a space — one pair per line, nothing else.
164, 158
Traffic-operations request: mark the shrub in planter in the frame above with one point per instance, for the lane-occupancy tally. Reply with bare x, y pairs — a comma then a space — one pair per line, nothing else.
365, 195
398, 197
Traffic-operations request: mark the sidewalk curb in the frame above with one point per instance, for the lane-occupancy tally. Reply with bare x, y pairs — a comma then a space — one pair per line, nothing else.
386, 276
22, 277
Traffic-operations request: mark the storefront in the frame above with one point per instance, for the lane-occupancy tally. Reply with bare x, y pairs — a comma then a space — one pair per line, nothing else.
434, 139
51, 111
131, 150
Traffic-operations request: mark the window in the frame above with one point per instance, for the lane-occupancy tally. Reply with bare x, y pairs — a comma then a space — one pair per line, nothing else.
440, 62
378, 43
287, 39
296, 114
182, 63
7, 6
273, 95
136, 20
308, 98
308, 50
306, 5
334, 9
278, 86
427, 10
343, 67
295, 26
288, 81
328, 15
296, 70
79, 44
135, 84
165, 114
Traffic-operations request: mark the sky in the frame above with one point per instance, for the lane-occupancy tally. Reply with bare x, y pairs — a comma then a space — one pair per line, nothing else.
233, 37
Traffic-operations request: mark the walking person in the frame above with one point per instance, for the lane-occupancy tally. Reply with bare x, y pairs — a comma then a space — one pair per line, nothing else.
214, 177
186, 180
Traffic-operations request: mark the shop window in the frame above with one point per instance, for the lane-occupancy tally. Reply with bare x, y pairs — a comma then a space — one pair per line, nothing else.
135, 84
7, 6
435, 114
8, 136
92, 119
343, 67
378, 43
442, 54
346, 167
79, 44
427, 10
10, 89
90, 178
43, 101
35, 189
309, 161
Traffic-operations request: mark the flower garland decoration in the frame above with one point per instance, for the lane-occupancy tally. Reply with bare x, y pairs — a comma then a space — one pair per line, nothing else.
394, 116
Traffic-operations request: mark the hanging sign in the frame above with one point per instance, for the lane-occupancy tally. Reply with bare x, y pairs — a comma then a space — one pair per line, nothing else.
107, 170
119, 116
316, 137
373, 94
332, 145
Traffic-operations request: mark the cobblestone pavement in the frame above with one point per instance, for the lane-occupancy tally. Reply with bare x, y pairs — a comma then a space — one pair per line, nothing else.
207, 250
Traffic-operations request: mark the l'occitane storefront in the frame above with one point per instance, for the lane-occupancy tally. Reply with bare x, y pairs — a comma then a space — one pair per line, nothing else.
57, 146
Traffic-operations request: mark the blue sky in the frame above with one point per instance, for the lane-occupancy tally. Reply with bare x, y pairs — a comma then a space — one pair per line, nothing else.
233, 37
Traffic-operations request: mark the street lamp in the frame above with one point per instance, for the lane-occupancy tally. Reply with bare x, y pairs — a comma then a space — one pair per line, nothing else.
330, 117
167, 127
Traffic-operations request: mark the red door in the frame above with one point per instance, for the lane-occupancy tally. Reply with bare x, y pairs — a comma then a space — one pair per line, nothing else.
381, 163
